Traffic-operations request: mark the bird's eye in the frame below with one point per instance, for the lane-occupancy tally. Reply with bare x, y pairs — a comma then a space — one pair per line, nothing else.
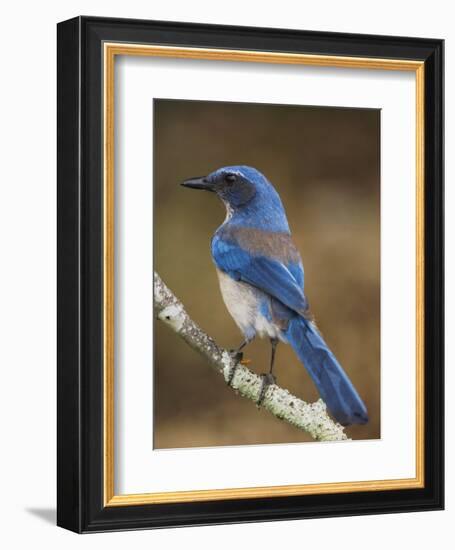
230, 178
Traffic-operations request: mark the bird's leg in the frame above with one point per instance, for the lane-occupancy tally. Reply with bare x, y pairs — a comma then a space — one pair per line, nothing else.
237, 356
268, 379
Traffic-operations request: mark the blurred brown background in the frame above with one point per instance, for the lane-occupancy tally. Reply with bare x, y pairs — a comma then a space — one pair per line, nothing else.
324, 162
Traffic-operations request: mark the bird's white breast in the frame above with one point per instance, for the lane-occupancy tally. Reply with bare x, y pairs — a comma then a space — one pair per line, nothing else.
243, 302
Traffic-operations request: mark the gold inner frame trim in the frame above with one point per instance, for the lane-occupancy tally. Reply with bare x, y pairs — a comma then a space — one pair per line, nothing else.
110, 50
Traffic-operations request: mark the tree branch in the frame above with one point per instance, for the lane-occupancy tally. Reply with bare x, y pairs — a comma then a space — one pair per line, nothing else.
309, 417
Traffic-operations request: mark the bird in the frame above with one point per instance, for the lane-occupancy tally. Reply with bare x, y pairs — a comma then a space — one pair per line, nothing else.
261, 279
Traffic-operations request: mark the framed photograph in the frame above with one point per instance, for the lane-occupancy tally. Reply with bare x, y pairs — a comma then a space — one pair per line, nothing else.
250, 274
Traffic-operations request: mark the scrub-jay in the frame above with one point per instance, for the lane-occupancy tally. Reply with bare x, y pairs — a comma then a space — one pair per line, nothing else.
261, 279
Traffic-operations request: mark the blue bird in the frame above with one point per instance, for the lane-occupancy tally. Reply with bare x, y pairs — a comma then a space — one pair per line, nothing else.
262, 279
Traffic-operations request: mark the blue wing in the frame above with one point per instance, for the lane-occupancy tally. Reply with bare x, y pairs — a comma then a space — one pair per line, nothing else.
285, 283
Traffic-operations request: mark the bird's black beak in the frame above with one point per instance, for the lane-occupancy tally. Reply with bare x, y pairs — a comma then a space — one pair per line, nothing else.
198, 183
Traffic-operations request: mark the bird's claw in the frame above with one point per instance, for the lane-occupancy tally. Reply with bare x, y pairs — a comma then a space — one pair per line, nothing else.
237, 357
267, 380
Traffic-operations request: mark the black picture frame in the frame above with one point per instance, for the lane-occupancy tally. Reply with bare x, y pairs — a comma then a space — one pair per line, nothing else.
80, 474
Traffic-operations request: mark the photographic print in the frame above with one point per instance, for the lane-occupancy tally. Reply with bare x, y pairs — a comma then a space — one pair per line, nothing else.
250, 282
274, 251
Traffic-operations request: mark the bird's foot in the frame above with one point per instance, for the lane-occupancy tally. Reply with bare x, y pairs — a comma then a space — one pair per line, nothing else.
236, 355
237, 358
267, 380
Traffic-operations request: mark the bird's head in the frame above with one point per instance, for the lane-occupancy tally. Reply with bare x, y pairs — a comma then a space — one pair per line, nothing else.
247, 194
235, 185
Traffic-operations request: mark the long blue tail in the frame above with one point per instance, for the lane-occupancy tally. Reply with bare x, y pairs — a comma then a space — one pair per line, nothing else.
333, 384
